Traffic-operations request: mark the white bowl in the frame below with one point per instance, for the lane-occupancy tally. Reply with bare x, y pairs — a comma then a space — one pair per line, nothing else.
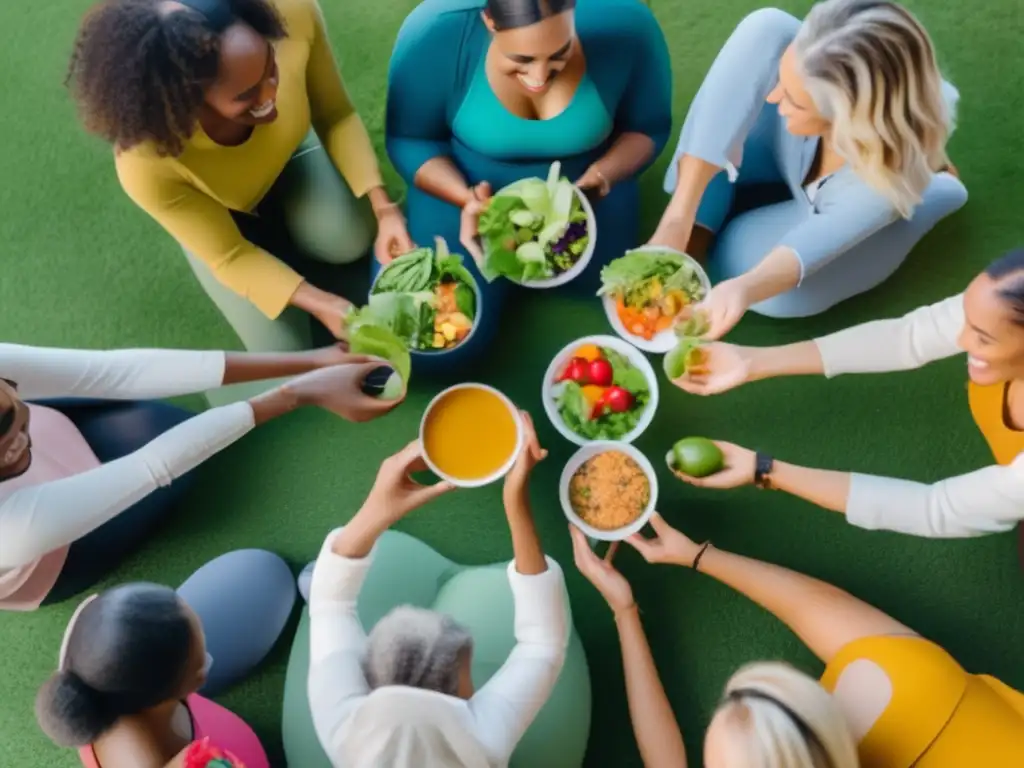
584, 259
588, 452
504, 469
666, 340
631, 353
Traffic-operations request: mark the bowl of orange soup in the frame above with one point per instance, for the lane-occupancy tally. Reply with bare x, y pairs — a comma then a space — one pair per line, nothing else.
471, 435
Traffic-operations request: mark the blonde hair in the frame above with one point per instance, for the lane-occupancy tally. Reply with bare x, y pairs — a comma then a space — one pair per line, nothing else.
784, 719
870, 67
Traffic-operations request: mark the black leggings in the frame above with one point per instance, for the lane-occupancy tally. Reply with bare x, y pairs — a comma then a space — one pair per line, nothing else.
113, 430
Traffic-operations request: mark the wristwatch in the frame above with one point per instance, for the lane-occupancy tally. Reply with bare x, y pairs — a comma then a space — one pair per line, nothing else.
763, 465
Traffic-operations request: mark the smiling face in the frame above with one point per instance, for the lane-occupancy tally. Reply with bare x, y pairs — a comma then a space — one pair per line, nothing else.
993, 341
534, 55
245, 91
15, 441
795, 103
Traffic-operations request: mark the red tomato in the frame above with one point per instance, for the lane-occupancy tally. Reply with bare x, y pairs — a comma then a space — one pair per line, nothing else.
576, 370
619, 400
600, 372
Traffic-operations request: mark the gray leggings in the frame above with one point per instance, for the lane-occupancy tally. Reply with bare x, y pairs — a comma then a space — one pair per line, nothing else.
309, 219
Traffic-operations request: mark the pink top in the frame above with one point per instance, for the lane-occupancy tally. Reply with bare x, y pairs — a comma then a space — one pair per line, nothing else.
66, 492
225, 729
58, 451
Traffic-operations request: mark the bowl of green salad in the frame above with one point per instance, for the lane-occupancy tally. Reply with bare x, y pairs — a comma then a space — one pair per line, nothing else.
538, 233
599, 388
427, 300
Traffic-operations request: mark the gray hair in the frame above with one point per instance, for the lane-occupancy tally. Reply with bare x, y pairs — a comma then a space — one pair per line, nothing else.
417, 648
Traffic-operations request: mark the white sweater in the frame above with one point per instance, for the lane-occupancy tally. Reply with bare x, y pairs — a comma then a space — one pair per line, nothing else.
408, 727
989, 500
36, 519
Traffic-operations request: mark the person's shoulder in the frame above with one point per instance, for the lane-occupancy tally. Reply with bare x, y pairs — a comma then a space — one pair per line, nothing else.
631, 17
443, 15
439, 25
299, 16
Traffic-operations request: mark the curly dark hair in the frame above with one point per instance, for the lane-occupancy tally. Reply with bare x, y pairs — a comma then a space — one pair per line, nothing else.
138, 73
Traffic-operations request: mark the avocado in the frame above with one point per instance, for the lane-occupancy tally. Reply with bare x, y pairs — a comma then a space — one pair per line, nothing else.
697, 457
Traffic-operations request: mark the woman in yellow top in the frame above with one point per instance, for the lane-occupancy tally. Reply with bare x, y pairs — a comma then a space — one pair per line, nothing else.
903, 700
986, 322
208, 104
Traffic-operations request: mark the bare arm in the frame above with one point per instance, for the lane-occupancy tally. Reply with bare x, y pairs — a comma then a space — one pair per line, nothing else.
626, 156
824, 617
440, 178
654, 724
526, 547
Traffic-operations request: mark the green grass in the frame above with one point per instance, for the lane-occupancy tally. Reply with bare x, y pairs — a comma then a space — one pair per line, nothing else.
81, 267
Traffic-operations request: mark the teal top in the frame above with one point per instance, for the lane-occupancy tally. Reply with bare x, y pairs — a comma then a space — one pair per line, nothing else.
485, 125
440, 103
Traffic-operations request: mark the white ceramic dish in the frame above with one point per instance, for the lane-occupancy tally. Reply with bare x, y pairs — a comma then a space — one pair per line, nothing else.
631, 353
587, 452
666, 340
504, 469
577, 268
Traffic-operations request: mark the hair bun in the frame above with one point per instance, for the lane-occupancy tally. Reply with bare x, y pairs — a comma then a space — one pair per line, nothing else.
72, 713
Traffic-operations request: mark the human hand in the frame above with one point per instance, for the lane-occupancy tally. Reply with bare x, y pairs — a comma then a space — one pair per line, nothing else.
594, 179
339, 389
332, 312
530, 455
739, 465
392, 236
722, 367
723, 307
667, 547
601, 573
395, 493
672, 232
469, 235
336, 354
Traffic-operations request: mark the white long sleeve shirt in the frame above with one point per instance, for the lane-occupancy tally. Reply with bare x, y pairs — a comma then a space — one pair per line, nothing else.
66, 493
989, 500
404, 727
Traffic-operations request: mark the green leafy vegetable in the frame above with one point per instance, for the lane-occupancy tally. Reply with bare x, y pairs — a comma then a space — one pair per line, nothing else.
533, 229
418, 293
633, 277
376, 340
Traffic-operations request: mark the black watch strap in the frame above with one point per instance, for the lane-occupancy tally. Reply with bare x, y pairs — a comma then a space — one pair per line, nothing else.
763, 465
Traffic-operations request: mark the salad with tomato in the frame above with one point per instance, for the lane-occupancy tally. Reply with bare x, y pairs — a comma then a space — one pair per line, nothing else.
600, 394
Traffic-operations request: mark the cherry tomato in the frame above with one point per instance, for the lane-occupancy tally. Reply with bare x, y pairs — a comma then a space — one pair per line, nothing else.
576, 371
619, 400
600, 372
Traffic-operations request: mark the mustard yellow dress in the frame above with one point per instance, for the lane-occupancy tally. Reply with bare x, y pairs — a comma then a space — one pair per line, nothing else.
940, 715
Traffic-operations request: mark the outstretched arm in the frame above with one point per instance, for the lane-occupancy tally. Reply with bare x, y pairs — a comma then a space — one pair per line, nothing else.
654, 723
825, 617
145, 374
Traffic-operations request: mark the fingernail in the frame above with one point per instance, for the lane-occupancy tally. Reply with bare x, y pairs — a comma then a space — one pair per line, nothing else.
376, 380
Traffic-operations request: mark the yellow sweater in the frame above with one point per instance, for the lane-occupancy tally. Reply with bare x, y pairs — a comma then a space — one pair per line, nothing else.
190, 195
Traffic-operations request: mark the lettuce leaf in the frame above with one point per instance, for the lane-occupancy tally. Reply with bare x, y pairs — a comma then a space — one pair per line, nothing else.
376, 340
523, 221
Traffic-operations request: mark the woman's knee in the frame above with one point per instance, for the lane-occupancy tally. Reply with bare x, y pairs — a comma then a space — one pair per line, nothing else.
767, 24
945, 195
244, 600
